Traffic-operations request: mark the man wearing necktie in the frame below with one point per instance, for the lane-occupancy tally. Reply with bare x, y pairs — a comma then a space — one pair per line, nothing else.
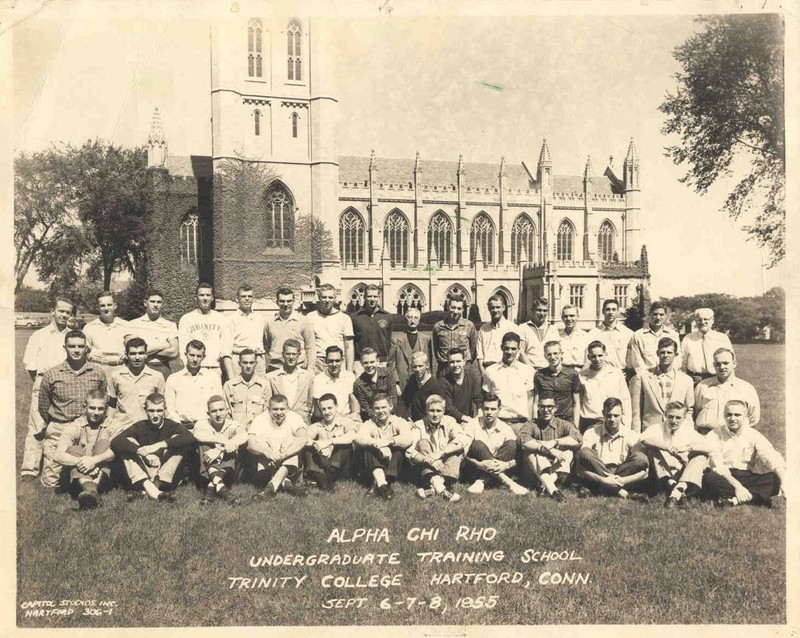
699, 347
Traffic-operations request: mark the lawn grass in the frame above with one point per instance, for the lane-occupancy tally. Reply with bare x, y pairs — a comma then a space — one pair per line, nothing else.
169, 565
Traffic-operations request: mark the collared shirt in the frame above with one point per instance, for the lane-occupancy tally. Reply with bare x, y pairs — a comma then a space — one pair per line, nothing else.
574, 346
394, 428
612, 449
462, 335
333, 329
321, 431
710, 397
597, 386
373, 331
489, 347
440, 436
246, 399
666, 381
63, 390
107, 338
248, 331
341, 387
533, 340
45, 349
231, 430
644, 345
513, 384
659, 435
744, 450
264, 429
562, 385
277, 330
213, 329
187, 394
295, 386
493, 437
131, 390
616, 339
556, 429
156, 333
79, 432
365, 389
698, 351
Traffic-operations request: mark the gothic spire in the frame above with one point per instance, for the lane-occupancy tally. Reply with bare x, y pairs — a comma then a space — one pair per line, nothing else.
632, 157
544, 154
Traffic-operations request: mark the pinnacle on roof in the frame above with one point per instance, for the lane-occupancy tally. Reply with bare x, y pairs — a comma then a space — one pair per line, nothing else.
156, 129
502, 167
632, 157
461, 170
589, 170
417, 165
373, 164
544, 154
385, 254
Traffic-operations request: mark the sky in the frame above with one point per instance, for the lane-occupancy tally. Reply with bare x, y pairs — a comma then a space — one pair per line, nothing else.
408, 83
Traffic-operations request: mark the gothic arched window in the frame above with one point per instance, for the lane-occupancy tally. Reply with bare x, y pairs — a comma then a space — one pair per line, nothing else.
440, 237
356, 298
279, 217
254, 60
523, 236
351, 238
482, 234
605, 242
396, 233
257, 122
564, 241
191, 240
410, 297
458, 291
294, 60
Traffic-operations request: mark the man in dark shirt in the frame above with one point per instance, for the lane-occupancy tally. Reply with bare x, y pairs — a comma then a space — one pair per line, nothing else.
374, 380
562, 383
420, 386
548, 444
463, 388
372, 328
152, 450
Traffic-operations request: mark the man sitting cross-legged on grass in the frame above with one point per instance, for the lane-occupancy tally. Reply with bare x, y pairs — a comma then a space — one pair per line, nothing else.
678, 454
737, 448
330, 444
610, 461
219, 440
491, 451
383, 441
275, 439
437, 451
548, 444
85, 450
152, 450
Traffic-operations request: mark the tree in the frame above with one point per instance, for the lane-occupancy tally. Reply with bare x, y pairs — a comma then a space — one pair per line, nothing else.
729, 106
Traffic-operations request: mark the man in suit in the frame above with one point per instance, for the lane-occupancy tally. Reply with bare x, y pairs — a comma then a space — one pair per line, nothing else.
292, 381
404, 346
652, 389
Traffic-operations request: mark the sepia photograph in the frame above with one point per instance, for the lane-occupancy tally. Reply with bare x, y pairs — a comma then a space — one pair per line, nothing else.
386, 314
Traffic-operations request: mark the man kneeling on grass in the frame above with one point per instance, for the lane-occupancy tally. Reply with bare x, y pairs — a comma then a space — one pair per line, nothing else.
219, 439
383, 441
548, 444
275, 439
152, 450
84, 449
610, 461
436, 451
737, 448
678, 455
491, 451
330, 444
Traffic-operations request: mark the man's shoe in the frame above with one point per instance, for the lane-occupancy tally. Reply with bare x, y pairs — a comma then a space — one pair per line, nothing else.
558, 496
671, 503
638, 497
293, 489
477, 487
166, 497
421, 492
724, 502
583, 491
385, 492
209, 494
88, 500
264, 495
135, 496
28, 478
451, 497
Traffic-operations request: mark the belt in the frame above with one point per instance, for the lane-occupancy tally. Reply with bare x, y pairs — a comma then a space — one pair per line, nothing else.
514, 419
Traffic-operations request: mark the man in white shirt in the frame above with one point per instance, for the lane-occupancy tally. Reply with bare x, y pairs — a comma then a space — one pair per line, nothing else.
699, 347
644, 343
614, 334
188, 390
609, 460
736, 451
338, 382
248, 330
599, 381
211, 328
490, 335
512, 381
331, 327
329, 452
711, 395
45, 349
573, 339
105, 335
536, 332
160, 334
246, 395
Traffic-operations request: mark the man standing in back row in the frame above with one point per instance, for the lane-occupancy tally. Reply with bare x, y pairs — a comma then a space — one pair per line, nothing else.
453, 332
331, 327
372, 328
248, 330
615, 335
105, 336
536, 332
212, 329
160, 334
699, 347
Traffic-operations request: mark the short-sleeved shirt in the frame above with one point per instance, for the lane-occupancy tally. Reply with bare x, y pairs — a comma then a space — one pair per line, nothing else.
333, 329
341, 387
710, 397
513, 384
445, 337
45, 349
63, 391
599, 385
644, 345
277, 330
230, 429
372, 331
573, 345
562, 385
323, 432
246, 399
395, 428
556, 429
493, 437
213, 329
131, 390
79, 432
447, 432
744, 450
264, 429
659, 434
616, 339
698, 351
187, 394
489, 346
612, 449
107, 338
533, 340
156, 333
248, 330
